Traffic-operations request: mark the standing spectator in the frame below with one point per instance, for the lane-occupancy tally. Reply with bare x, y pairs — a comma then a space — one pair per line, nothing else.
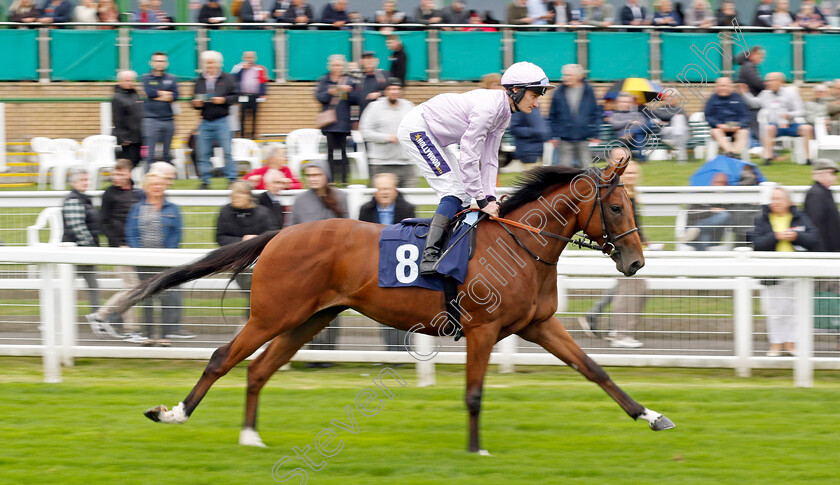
530, 132
252, 11
561, 12
116, 203
24, 11
748, 75
456, 13
155, 222
598, 13
161, 16
82, 226
727, 15
299, 13
399, 59
389, 13
700, 14
143, 14
538, 10
781, 16
214, 93
161, 92
378, 126
728, 118
320, 202
275, 159
335, 13
575, 117
665, 16
809, 18
372, 82
336, 91
427, 14
239, 221
127, 114
781, 227
491, 80
211, 13
517, 13
56, 12
764, 14
820, 205
108, 12
86, 12
634, 14
275, 183
252, 79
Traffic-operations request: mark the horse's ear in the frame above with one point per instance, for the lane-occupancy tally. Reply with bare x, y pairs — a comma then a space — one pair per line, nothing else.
617, 163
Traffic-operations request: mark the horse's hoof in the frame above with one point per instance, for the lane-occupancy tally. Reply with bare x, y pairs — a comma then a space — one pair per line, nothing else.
155, 412
161, 414
662, 423
484, 453
250, 437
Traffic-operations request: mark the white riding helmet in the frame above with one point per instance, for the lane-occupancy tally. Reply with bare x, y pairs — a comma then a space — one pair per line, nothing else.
525, 75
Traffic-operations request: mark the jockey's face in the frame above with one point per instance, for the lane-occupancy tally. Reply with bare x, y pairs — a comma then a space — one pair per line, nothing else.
529, 101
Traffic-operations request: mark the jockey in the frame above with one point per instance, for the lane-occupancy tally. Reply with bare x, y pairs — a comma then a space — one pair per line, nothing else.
476, 120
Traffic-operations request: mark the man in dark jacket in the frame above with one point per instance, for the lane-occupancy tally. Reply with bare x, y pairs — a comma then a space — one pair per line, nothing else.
399, 60
127, 114
764, 14
373, 81
275, 183
530, 132
387, 206
56, 11
214, 93
749, 75
820, 205
574, 117
81, 226
299, 13
161, 91
335, 13
634, 14
728, 118
252, 11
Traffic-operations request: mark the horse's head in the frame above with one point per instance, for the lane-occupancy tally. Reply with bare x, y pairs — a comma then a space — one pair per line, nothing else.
607, 218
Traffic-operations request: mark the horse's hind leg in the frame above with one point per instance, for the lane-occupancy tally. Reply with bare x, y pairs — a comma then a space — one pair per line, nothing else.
278, 352
551, 335
223, 360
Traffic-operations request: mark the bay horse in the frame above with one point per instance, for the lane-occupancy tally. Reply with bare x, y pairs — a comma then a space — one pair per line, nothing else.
305, 275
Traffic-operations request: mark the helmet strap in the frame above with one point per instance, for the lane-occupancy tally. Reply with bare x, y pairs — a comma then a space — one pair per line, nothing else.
516, 97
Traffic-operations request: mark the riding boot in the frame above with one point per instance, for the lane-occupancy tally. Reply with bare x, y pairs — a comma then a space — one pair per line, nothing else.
435, 239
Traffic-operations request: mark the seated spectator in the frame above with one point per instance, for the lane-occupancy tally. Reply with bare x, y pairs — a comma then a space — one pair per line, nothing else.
56, 12
387, 206
808, 18
783, 105
574, 118
24, 12
672, 122
252, 11
299, 13
700, 14
764, 14
726, 15
665, 16
823, 106
781, 227
335, 13
108, 12
530, 131
455, 13
275, 159
834, 109
781, 15
211, 13
492, 80
707, 222
629, 124
389, 14
728, 118
634, 14
82, 226
427, 14
275, 183
165, 170
517, 13
378, 126
597, 13
86, 12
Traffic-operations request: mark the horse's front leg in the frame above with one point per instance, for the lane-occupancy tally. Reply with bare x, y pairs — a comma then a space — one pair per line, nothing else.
551, 336
480, 341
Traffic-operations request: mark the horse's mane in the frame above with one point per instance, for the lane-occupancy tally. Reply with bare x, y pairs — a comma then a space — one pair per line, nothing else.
532, 183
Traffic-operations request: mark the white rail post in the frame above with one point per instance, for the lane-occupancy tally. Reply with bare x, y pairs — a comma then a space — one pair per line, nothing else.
562, 294
67, 312
355, 200
742, 310
52, 366
105, 121
508, 348
2, 137
425, 368
803, 367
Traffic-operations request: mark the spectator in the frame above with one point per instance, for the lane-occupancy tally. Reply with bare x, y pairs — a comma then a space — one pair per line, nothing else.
817, 11
748, 76
783, 106
707, 222
634, 14
728, 118
820, 206
320, 202
160, 15
108, 12
781, 16
24, 11
252, 79
474, 18
561, 13
726, 15
86, 12
491, 80
56, 12
809, 18
598, 13
389, 13
143, 14
239, 221
116, 203
764, 14
335, 13
379, 125
299, 13
82, 226
336, 91
665, 16
372, 81
127, 113
629, 124
517, 13
214, 93
161, 93
398, 59
427, 14
574, 117
455, 13
166, 170
821, 107
252, 11
530, 132
538, 10
275, 160
834, 109
211, 13
275, 183
781, 227
700, 14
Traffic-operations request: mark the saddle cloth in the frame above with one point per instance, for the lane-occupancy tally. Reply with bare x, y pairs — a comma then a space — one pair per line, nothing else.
400, 251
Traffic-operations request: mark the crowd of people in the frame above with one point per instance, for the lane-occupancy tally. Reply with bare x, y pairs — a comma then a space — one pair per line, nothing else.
338, 14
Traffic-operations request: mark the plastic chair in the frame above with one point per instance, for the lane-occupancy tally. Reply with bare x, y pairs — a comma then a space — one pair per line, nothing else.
51, 217
62, 153
823, 140
360, 155
98, 153
43, 147
796, 144
304, 145
245, 150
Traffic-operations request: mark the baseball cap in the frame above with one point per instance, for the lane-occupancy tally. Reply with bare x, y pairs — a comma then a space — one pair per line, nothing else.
826, 164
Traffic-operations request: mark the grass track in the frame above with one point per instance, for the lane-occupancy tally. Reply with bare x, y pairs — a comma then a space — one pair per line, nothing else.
543, 425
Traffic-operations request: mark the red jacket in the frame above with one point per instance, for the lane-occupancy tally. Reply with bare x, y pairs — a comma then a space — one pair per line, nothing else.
261, 172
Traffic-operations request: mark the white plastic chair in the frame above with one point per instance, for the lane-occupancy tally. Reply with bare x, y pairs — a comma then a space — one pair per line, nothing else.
245, 150
711, 148
43, 147
51, 218
823, 140
304, 145
796, 144
179, 159
61, 154
360, 155
98, 153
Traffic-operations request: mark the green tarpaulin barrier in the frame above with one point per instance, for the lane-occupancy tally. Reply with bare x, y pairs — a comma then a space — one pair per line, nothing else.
779, 52
819, 50
616, 55
549, 50
687, 57
21, 62
308, 51
466, 56
232, 43
83, 55
179, 45
414, 45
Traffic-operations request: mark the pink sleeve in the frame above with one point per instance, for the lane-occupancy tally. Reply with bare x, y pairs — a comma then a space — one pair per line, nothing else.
472, 145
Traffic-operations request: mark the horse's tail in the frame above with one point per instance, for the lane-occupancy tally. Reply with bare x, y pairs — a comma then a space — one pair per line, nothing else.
233, 257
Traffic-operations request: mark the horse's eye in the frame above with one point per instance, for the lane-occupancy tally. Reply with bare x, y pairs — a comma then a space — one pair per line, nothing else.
616, 209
